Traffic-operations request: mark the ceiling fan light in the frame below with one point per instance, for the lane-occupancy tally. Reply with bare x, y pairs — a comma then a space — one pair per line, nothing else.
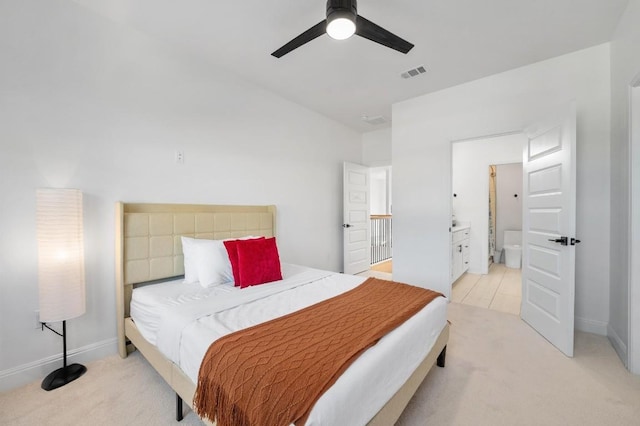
340, 27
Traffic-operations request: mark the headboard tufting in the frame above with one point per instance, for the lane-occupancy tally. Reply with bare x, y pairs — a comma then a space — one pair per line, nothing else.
149, 247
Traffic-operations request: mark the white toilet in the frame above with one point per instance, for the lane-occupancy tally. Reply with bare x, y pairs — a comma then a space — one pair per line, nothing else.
513, 248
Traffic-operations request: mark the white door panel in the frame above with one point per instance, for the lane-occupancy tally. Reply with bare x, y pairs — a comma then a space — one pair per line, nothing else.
544, 220
548, 270
357, 251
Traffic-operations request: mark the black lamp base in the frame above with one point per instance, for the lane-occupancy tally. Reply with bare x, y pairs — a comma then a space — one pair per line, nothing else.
62, 376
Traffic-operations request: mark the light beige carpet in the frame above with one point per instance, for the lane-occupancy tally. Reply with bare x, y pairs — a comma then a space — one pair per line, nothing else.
499, 372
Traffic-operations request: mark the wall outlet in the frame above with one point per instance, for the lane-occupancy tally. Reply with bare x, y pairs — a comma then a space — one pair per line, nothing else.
38, 323
180, 157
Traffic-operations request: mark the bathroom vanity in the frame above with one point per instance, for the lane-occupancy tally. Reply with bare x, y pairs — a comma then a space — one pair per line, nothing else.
460, 235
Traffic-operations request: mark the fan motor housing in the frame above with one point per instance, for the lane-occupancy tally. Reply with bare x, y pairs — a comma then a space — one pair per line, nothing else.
342, 8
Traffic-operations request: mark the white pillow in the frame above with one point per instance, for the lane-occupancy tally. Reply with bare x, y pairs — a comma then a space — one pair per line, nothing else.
212, 263
206, 261
189, 253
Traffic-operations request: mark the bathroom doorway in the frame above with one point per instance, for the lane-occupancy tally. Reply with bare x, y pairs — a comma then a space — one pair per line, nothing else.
505, 208
491, 205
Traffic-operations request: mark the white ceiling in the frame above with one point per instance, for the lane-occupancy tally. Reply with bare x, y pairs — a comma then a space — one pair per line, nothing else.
456, 40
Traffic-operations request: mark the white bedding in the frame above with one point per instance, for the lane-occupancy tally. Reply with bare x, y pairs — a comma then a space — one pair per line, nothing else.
184, 319
149, 302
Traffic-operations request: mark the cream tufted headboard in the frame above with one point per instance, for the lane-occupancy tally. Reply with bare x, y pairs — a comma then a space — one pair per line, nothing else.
148, 245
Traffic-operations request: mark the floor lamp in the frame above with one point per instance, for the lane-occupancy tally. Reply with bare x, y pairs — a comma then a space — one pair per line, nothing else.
61, 285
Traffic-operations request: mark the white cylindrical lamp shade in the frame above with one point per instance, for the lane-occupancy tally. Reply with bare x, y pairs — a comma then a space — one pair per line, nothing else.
61, 281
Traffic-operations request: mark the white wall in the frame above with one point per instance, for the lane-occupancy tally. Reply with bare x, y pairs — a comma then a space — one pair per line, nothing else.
423, 128
625, 68
633, 345
470, 182
376, 148
86, 103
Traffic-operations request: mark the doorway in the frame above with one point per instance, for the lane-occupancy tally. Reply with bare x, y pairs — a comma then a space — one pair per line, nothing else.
381, 224
488, 282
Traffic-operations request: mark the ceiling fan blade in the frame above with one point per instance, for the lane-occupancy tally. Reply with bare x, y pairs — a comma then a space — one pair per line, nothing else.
373, 32
312, 33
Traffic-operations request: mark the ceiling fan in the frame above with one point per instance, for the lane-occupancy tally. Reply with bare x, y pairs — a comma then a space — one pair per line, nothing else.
342, 22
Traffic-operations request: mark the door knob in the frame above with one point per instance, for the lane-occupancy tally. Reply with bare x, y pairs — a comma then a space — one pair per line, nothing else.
346, 225
574, 241
562, 240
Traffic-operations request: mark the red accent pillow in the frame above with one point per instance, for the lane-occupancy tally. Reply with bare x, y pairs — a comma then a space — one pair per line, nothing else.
258, 262
232, 250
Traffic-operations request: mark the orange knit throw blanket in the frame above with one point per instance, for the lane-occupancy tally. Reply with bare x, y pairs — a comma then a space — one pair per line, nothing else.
273, 373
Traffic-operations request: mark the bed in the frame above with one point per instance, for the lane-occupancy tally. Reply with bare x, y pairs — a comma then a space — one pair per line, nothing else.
149, 259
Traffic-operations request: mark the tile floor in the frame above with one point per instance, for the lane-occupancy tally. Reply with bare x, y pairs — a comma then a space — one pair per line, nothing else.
500, 290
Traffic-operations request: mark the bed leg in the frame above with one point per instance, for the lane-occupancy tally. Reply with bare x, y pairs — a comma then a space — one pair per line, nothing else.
441, 357
179, 415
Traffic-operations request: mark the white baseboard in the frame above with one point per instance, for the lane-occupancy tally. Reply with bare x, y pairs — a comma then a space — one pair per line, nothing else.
38, 370
618, 345
591, 326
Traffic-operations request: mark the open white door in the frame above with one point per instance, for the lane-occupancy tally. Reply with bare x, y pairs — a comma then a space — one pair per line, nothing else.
357, 251
548, 229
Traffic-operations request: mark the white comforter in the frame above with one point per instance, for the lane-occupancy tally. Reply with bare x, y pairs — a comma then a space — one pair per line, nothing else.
183, 326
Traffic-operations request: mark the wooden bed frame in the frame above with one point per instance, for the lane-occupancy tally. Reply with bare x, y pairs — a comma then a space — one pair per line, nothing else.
148, 248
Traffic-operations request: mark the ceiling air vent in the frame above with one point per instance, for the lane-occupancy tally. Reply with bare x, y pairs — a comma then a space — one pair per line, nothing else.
374, 121
414, 72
